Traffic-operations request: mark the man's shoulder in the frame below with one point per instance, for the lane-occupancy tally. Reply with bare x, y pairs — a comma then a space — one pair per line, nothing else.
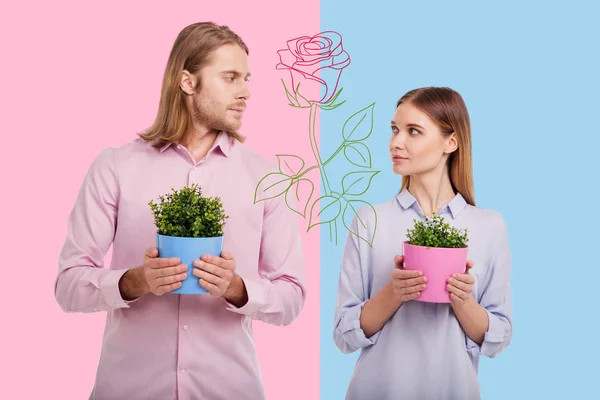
255, 160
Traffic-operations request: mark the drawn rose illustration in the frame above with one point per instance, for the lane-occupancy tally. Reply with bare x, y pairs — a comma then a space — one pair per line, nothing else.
315, 61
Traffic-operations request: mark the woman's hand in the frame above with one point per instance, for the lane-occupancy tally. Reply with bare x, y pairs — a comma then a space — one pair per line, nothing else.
407, 284
460, 286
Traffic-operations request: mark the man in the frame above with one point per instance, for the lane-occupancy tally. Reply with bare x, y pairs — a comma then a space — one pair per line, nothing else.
159, 345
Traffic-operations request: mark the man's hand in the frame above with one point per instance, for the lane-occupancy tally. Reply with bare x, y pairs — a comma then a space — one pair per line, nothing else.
217, 275
157, 276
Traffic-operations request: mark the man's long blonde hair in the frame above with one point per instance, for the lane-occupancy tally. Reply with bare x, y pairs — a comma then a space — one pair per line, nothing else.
447, 108
191, 51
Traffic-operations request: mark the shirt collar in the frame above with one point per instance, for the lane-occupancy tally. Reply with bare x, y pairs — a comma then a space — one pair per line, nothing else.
223, 142
456, 205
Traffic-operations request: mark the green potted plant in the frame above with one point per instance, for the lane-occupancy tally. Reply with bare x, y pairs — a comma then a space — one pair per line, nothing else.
189, 226
438, 250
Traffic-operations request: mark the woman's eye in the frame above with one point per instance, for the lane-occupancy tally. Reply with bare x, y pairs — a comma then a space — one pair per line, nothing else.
411, 130
230, 78
394, 129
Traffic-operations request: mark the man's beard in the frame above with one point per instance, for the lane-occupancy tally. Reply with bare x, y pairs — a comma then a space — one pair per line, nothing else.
208, 117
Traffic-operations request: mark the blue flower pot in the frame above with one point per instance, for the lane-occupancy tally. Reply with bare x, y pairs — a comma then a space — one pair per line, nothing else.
188, 249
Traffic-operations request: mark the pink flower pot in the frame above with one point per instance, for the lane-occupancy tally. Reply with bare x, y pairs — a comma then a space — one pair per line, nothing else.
437, 265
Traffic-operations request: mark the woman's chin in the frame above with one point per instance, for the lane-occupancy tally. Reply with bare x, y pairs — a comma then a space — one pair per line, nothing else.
400, 170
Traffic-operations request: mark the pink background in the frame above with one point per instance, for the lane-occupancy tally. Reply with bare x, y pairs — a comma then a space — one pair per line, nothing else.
88, 77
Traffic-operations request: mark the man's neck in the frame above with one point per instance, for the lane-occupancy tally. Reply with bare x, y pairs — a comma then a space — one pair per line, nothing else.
199, 143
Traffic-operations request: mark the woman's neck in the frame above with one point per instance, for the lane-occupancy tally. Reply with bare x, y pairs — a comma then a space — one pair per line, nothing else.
432, 191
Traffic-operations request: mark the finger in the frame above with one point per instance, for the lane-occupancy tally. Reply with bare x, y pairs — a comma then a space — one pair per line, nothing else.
460, 285
160, 290
168, 271
151, 252
413, 289
210, 268
466, 278
167, 280
215, 280
455, 298
411, 296
470, 265
405, 274
227, 255
211, 287
218, 261
410, 282
164, 262
399, 260
456, 291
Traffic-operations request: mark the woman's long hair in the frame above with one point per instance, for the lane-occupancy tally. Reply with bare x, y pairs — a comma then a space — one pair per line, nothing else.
447, 108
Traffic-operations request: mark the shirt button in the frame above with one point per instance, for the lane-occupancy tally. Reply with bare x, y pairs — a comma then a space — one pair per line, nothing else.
182, 370
185, 327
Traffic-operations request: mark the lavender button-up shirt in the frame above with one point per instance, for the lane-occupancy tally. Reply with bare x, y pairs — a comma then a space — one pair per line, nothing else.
421, 353
179, 346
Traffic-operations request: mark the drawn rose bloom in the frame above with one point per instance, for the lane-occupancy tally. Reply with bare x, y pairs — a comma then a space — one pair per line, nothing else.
314, 62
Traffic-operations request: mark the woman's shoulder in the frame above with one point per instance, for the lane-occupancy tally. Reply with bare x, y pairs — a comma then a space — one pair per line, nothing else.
365, 210
488, 217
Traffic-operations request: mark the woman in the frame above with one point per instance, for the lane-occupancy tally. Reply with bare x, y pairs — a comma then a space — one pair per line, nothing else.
411, 349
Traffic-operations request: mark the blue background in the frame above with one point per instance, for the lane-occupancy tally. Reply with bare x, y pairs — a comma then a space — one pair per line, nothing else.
529, 76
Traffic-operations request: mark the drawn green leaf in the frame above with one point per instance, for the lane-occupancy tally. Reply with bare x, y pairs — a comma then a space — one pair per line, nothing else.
358, 154
359, 125
298, 196
357, 183
351, 211
290, 164
330, 210
271, 186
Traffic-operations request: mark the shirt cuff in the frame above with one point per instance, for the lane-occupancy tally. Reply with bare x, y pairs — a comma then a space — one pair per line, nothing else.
492, 340
349, 329
109, 286
257, 297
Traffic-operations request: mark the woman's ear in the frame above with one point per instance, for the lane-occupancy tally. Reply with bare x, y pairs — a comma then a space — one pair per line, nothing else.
451, 144
187, 83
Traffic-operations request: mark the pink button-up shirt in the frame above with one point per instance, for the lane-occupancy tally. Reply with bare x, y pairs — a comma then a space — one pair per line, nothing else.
179, 346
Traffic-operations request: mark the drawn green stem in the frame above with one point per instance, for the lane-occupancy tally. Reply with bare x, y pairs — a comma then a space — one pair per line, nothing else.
336, 152
315, 149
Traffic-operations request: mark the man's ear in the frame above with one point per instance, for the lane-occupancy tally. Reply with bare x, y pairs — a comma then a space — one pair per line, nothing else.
187, 83
451, 144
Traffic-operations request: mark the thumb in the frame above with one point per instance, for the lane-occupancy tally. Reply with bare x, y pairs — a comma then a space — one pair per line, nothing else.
151, 252
470, 264
399, 260
226, 255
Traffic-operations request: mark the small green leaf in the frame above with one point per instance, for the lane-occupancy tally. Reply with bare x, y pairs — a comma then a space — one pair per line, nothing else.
291, 98
289, 164
331, 107
300, 194
358, 154
351, 211
357, 183
330, 210
359, 125
271, 186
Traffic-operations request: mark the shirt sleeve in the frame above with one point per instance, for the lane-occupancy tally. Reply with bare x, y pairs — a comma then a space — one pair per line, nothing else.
278, 294
496, 300
353, 293
82, 283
